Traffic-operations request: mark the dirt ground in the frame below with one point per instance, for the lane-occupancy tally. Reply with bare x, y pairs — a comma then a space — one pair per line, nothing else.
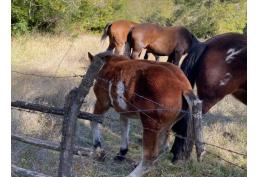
45, 55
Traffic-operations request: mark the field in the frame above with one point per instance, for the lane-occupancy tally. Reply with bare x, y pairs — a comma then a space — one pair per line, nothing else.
50, 55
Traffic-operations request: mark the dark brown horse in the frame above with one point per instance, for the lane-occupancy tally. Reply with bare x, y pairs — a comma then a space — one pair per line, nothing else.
117, 32
161, 41
218, 67
130, 88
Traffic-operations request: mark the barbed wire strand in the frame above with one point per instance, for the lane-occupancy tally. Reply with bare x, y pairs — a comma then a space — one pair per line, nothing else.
37, 75
225, 149
231, 163
213, 145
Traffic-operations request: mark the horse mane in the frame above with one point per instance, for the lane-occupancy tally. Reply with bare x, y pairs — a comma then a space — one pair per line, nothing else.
191, 62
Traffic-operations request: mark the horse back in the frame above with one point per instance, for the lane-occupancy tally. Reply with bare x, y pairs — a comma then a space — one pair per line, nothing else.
162, 40
161, 83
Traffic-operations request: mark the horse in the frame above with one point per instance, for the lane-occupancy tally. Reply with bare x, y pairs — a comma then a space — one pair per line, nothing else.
218, 67
130, 88
117, 32
173, 42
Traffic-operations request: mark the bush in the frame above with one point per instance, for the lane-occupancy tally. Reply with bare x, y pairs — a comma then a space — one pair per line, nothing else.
40, 15
204, 18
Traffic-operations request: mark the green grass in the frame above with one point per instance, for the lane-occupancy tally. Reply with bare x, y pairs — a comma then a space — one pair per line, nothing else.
224, 125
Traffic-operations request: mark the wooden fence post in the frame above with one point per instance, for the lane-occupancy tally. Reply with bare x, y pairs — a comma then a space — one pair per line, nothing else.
197, 124
73, 104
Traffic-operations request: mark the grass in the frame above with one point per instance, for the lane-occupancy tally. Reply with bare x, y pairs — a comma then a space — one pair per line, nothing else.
224, 125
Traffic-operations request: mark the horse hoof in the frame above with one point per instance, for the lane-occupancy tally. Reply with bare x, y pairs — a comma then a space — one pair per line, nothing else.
119, 158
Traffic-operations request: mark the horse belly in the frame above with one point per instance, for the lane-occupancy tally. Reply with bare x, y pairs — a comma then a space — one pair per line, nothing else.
161, 47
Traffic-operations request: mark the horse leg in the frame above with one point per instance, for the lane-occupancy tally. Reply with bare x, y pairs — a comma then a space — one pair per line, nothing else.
171, 57
163, 141
124, 122
119, 49
177, 58
137, 48
146, 56
99, 109
156, 57
241, 95
136, 53
150, 153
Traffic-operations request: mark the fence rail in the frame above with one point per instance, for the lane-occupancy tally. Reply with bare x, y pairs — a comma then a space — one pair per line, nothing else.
21, 172
77, 150
54, 110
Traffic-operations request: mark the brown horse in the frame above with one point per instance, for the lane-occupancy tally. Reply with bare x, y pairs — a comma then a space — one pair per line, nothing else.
130, 88
117, 32
218, 68
161, 41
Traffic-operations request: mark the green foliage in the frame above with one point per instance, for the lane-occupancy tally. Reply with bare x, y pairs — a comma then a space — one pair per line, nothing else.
155, 17
207, 18
204, 18
41, 15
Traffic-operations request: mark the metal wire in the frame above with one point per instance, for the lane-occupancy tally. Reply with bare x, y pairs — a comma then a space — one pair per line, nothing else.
231, 163
37, 75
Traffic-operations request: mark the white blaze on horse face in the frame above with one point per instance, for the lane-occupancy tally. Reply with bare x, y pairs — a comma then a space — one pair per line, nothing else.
109, 92
226, 79
231, 54
120, 95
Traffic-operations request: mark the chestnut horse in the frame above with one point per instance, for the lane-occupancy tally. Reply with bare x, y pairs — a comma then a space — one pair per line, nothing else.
218, 68
161, 41
117, 33
130, 88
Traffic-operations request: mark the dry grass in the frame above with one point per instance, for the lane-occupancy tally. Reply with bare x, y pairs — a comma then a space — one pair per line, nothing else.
225, 125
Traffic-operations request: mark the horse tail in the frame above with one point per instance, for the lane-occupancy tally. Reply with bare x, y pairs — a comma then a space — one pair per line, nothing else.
105, 32
191, 62
128, 44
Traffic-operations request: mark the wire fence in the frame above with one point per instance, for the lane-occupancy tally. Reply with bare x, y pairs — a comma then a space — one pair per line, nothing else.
160, 107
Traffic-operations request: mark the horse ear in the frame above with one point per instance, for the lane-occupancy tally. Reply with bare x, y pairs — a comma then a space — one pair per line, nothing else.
90, 56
